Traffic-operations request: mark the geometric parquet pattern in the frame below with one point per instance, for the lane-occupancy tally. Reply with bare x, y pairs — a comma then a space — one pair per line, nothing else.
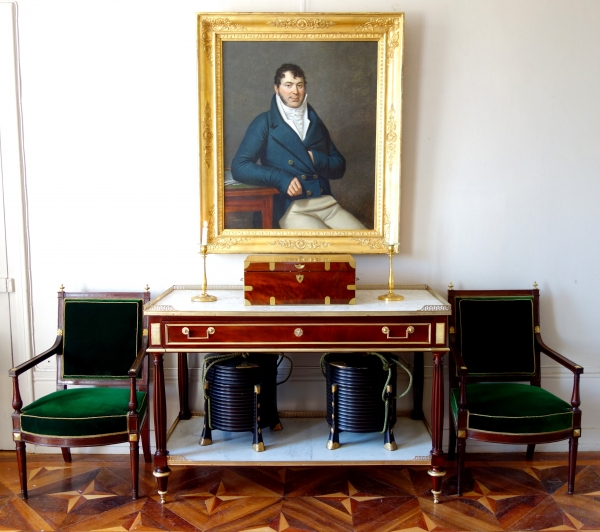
503, 493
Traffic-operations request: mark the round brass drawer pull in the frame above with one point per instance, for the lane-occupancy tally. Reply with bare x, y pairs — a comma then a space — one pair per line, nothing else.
185, 331
298, 332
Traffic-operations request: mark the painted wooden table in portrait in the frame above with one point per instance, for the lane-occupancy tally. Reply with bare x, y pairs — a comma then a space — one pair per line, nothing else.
417, 324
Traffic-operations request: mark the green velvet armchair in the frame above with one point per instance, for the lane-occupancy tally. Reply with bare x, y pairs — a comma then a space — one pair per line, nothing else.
101, 352
495, 378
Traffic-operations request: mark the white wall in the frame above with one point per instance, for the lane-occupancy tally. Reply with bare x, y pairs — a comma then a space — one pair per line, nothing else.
501, 129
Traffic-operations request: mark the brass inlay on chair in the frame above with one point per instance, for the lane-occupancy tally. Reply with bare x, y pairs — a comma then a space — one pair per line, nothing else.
577, 433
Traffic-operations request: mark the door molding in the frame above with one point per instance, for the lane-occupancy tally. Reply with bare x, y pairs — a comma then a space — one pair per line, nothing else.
14, 193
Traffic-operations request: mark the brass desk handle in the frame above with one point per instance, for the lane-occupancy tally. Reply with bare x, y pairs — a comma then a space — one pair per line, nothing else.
409, 330
209, 331
299, 266
298, 332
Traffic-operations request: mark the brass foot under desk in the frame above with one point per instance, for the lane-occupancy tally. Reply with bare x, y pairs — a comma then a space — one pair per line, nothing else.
417, 324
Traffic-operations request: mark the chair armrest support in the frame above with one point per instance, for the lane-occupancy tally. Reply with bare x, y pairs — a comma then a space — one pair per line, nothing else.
458, 359
463, 372
133, 373
576, 369
564, 361
54, 350
139, 360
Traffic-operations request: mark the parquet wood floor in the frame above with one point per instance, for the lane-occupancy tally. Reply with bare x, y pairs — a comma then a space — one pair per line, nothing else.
503, 492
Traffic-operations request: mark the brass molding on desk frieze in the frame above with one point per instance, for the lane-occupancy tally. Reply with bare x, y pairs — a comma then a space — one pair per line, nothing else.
155, 335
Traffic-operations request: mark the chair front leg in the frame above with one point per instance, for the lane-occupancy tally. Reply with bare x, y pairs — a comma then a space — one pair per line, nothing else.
134, 457
22, 465
460, 466
573, 444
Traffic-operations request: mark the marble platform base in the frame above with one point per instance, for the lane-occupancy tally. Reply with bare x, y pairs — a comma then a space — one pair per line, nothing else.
301, 442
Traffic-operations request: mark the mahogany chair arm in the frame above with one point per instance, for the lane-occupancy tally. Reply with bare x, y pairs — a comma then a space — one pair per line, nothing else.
139, 360
576, 369
133, 373
458, 359
54, 350
463, 372
564, 361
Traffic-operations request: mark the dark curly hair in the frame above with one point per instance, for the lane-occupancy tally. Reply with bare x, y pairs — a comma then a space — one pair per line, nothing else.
295, 70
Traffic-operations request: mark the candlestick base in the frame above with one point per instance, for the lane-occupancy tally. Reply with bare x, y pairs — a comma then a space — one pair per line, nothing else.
203, 298
391, 296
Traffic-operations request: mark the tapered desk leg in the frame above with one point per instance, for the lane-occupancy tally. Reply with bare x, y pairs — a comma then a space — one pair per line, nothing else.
182, 382
161, 468
418, 377
437, 426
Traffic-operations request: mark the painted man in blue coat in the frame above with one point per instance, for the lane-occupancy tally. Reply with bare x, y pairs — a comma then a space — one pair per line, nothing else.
297, 156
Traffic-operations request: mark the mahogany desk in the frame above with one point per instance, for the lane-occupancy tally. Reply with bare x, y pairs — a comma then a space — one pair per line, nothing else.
178, 325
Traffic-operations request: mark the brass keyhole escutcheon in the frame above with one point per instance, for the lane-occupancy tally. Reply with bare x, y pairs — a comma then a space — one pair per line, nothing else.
299, 278
298, 332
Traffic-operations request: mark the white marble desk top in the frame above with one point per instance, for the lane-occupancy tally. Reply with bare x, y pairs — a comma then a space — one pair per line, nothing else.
177, 301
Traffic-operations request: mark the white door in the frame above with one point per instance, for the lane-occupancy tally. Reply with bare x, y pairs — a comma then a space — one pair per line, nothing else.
15, 313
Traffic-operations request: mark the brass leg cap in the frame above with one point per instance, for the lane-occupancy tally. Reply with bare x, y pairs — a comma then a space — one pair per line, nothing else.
163, 497
205, 441
258, 447
390, 446
333, 445
279, 426
436, 496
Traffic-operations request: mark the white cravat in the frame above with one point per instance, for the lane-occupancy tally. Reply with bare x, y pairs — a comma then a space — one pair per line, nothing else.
295, 117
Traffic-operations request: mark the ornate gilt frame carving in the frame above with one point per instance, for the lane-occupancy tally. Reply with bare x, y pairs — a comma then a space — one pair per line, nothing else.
386, 29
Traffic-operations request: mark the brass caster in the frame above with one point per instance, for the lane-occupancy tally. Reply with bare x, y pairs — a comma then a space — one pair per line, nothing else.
163, 497
205, 441
333, 445
258, 447
436, 496
390, 446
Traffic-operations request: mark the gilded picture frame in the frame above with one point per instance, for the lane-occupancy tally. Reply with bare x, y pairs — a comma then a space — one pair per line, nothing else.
353, 65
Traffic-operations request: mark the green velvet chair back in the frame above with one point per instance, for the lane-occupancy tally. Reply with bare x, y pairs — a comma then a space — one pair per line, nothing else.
101, 338
496, 336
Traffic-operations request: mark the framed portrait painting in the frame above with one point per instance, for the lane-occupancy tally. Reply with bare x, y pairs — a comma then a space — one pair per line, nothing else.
300, 119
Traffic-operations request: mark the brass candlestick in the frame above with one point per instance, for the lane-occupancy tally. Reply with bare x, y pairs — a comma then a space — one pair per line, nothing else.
204, 297
391, 296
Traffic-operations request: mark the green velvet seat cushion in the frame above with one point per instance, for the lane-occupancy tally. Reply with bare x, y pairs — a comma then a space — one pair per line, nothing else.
510, 408
101, 337
80, 412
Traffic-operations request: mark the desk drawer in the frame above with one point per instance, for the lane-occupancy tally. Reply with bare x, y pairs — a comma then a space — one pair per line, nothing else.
326, 334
